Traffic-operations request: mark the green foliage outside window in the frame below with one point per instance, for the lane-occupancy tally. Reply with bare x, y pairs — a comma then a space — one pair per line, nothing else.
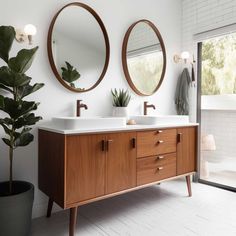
219, 65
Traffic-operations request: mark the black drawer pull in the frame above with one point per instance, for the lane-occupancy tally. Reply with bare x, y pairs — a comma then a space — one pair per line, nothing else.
103, 145
179, 137
134, 142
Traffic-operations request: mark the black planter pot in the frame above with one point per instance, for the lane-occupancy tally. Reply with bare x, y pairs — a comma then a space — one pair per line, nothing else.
16, 209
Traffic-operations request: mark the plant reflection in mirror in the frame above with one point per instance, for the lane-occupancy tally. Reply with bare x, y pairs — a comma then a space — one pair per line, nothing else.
70, 74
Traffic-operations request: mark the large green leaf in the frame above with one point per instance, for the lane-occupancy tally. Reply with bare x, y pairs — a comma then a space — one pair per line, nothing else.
7, 142
3, 87
25, 90
27, 120
22, 62
24, 139
6, 128
11, 79
7, 35
1, 102
6, 124
16, 109
7, 121
17, 135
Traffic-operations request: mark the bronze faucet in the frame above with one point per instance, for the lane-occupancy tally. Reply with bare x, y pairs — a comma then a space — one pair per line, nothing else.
146, 106
79, 106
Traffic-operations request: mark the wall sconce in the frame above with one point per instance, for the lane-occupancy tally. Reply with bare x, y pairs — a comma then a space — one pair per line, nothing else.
26, 34
184, 56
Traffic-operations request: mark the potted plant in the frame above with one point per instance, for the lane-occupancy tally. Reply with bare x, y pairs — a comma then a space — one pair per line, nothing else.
16, 197
120, 101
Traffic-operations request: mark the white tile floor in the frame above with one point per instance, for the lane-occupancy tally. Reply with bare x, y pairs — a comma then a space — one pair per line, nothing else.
161, 210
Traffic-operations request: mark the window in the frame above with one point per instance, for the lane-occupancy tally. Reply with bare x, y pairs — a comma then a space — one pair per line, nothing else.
219, 65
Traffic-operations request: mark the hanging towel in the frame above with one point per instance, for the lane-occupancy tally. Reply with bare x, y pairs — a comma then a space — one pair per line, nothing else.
182, 93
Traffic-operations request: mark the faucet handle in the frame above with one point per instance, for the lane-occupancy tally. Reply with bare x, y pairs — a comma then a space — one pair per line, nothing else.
78, 103
146, 106
79, 106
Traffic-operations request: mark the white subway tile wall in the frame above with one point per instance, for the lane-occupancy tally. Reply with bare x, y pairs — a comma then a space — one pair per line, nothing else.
222, 124
202, 15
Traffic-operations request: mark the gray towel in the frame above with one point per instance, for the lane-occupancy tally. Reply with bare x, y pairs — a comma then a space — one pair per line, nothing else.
182, 93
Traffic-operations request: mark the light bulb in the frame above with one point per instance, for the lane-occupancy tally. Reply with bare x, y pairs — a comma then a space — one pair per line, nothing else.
30, 29
185, 55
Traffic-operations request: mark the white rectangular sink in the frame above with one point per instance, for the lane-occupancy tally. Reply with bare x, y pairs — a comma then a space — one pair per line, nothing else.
85, 123
155, 120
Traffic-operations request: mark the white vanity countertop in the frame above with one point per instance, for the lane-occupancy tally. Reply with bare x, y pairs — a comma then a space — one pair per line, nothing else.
49, 127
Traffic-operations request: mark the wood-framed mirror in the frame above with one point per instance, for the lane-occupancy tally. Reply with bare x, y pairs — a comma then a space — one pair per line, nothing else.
78, 47
144, 57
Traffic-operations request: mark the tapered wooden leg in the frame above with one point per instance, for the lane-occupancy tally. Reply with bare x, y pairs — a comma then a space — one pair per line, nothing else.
189, 185
73, 219
49, 210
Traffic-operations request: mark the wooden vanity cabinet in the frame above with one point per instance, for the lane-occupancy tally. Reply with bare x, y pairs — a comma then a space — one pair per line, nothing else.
78, 168
81, 168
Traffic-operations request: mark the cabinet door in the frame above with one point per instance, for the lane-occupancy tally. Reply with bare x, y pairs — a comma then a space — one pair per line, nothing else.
186, 150
85, 167
121, 161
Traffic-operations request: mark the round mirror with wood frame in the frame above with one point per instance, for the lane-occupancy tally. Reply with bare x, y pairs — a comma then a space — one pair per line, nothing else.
144, 57
78, 47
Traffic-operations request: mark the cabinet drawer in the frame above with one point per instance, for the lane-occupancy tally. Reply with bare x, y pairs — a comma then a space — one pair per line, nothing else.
151, 169
156, 142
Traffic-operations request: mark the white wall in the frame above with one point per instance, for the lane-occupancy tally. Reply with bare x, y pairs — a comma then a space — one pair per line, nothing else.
117, 16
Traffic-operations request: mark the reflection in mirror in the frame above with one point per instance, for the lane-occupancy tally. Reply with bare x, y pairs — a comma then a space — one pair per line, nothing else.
70, 74
144, 57
78, 47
